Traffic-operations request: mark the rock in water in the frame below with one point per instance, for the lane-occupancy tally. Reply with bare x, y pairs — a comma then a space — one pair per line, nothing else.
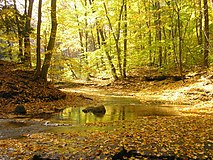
99, 109
96, 109
88, 109
20, 109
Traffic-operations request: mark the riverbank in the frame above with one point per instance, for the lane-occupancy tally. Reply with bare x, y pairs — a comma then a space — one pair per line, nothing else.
146, 84
194, 95
184, 136
18, 87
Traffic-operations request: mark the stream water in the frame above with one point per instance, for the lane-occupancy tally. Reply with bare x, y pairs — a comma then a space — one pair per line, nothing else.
117, 108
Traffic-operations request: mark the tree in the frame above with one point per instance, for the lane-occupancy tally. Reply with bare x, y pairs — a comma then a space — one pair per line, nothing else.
158, 31
206, 34
20, 32
27, 49
109, 38
116, 35
51, 42
104, 44
38, 47
125, 38
9, 18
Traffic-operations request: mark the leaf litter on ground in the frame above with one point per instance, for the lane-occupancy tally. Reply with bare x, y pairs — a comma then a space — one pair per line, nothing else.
182, 136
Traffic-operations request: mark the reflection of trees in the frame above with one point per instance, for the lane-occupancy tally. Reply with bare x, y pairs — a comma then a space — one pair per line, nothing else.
122, 113
79, 116
113, 113
118, 110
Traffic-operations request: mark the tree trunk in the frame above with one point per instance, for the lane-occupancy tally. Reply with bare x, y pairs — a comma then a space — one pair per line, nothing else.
148, 24
173, 35
86, 41
51, 43
20, 37
158, 32
112, 67
180, 44
38, 48
125, 38
206, 34
200, 39
116, 36
199, 24
27, 52
80, 33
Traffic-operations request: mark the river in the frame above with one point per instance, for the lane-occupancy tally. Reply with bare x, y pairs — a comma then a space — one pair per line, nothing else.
118, 107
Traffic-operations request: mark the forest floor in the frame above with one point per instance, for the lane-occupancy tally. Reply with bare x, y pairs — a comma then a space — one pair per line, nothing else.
18, 87
186, 136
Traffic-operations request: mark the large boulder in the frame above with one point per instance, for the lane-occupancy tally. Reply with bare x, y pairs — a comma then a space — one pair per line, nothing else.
20, 109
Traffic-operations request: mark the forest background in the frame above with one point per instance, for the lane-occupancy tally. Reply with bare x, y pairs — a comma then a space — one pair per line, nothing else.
106, 39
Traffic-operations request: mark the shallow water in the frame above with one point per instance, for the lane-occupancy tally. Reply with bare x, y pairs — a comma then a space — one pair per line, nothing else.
117, 108
16, 128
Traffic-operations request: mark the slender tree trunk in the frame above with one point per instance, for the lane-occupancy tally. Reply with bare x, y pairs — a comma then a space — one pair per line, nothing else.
165, 60
20, 36
9, 47
199, 24
98, 38
200, 39
158, 32
125, 38
116, 36
173, 35
51, 43
93, 44
206, 34
86, 41
150, 43
148, 24
180, 44
80, 33
38, 48
112, 67
27, 52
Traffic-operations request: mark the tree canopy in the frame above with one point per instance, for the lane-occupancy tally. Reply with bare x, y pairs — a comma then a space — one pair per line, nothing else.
106, 38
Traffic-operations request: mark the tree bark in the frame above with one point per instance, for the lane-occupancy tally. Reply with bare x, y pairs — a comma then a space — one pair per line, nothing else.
20, 36
112, 67
125, 38
206, 34
180, 44
158, 32
27, 49
38, 47
200, 39
51, 43
116, 36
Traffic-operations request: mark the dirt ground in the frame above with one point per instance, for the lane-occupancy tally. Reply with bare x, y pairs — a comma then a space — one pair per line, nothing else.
187, 136
17, 86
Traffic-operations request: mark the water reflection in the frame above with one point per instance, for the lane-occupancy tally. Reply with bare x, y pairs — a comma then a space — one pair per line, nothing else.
117, 108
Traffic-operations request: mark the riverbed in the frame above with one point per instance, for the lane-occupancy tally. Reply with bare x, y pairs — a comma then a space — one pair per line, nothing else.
118, 107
